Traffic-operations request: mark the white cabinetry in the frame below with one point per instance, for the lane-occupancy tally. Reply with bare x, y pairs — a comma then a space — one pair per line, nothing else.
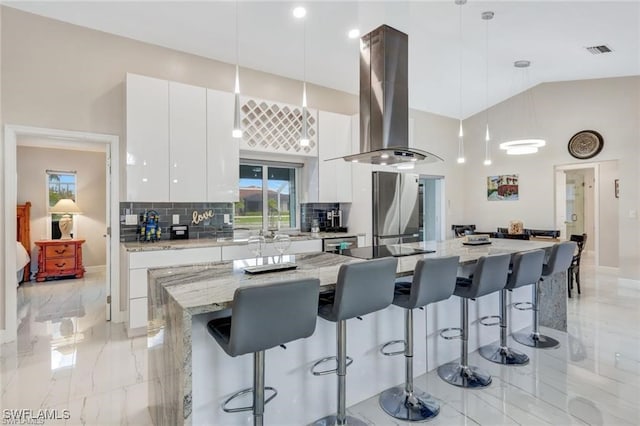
334, 176
187, 143
147, 139
222, 149
136, 265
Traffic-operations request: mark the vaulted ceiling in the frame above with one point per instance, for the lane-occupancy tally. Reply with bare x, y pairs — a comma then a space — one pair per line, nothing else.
552, 35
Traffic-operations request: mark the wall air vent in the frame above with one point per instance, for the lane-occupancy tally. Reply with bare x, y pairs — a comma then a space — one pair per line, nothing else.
597, 50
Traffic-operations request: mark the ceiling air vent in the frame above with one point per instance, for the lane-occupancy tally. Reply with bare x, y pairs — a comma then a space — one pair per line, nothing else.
597, 50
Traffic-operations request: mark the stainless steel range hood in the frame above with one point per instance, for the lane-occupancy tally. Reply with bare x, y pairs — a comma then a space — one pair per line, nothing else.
384, 101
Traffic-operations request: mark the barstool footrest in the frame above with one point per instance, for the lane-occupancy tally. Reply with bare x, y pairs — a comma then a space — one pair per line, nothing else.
242, 393
325, 359
450, 329
484, 320
523, 306
393, 353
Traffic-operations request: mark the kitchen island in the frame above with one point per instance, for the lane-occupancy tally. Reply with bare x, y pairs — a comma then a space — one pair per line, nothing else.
183, 299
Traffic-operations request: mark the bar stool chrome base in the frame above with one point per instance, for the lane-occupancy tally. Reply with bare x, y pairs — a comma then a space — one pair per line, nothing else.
416, 406
332, 420
535, 340
503, 355
465, 377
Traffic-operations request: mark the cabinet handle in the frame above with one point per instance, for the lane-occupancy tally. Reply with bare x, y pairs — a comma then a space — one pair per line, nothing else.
60, 251
60, 265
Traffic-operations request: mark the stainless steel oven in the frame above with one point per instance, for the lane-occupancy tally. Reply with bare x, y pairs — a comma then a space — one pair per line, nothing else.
336, 244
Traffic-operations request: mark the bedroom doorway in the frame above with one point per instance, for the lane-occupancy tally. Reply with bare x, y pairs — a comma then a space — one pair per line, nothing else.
61, 139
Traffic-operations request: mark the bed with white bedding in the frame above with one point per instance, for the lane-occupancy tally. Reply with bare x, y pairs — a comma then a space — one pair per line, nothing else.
22, 260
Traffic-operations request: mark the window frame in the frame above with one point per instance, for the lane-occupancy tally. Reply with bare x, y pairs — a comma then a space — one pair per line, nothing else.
49, 222
265, 164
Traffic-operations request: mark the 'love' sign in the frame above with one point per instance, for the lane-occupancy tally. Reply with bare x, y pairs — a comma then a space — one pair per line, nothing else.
196, 218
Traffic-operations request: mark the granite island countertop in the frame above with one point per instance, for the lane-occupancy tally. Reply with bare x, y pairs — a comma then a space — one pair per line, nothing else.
209, 287
181, 296
136, 246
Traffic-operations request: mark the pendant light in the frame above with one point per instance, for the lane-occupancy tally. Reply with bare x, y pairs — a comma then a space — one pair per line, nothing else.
304, 133
527, 142
487, 16
460, 130
237, 125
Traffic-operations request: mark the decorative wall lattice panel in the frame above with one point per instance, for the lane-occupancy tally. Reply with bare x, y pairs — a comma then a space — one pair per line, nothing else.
275, 127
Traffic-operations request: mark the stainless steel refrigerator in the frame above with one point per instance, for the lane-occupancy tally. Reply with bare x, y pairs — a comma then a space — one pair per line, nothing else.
396, 204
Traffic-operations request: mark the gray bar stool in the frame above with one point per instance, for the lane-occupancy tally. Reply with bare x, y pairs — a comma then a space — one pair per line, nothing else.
362, 288
526, 270
489, 276
261, 318
433, 280
559, 260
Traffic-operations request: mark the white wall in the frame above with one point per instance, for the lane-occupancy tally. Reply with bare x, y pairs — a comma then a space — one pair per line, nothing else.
609, 214
609, 106
91, 194
2, 265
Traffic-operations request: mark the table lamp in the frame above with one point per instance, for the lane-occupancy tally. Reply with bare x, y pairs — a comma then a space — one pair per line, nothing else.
66, 207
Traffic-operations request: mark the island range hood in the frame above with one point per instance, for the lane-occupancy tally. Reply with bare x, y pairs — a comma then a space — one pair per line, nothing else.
384, 101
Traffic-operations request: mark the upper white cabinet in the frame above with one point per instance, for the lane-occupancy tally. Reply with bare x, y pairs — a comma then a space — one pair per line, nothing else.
187, 143
334, 176
147, 139
222, 149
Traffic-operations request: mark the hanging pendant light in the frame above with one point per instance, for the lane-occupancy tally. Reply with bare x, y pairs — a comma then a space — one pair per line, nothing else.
487, 16
237, 125
304, 133
461, 158
527, 143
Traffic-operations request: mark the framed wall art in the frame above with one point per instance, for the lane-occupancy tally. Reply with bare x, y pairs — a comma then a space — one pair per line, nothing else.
502, 188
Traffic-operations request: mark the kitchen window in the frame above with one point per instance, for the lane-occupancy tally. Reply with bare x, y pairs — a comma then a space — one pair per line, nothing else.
268, 196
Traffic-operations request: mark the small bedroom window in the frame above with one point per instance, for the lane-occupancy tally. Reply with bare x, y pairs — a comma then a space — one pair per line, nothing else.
60, 184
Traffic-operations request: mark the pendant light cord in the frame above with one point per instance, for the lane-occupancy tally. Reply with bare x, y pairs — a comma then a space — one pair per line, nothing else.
486, 75
460, 64
237, 36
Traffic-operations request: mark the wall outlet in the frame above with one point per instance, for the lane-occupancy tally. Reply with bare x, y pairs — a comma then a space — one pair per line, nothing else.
131, 219
176, 219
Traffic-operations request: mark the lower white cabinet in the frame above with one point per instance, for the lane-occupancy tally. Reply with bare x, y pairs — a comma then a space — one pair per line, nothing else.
135, 266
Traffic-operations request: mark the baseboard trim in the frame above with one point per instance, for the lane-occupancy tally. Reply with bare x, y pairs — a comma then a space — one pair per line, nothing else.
136, 332
96, 268
608, 269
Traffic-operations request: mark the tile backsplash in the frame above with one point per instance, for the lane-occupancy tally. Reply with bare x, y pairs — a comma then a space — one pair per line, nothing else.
310, 211
214, 227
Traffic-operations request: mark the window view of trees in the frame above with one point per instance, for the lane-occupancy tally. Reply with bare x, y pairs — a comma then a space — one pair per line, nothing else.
267, 197
61, 185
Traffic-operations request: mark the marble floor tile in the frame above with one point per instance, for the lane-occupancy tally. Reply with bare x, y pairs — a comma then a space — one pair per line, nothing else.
67, 357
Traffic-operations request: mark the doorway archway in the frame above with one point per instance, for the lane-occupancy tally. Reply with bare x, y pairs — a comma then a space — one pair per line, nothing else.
111, 142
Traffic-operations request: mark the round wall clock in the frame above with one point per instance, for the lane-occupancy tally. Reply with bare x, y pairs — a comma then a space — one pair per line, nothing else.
585, 144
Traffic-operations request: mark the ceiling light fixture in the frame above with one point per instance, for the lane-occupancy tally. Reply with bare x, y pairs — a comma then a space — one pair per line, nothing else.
487, 16
304, 134
237, 124
525, 144
354, 33
460, 131
299, 12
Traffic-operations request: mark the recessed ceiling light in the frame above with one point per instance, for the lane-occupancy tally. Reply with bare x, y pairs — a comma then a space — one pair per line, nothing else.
354, 33
299, 12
